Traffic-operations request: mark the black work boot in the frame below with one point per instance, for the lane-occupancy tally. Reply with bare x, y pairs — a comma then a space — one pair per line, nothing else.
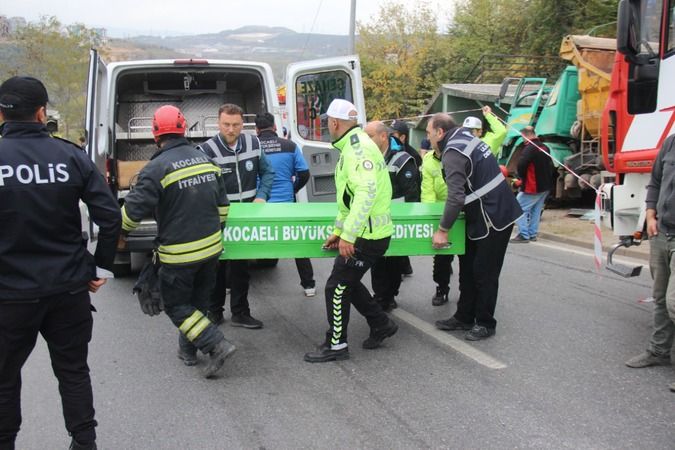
187, 352
479, 332
188, 358
74, 445
216, 317
246, 321
441, 296
387, 304
223, 350
325, 354
377, 335
453, 324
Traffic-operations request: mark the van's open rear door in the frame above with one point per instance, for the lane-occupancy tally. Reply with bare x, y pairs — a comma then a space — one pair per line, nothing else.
310, 87
94, 125
96, 132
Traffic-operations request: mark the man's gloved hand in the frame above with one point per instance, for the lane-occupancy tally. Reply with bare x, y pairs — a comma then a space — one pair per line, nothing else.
147, 289
151, 302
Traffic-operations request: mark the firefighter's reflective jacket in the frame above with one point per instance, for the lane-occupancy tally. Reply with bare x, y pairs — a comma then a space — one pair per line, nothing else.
184, 190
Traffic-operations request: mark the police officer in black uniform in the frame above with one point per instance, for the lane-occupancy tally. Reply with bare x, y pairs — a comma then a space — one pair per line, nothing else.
46, 272
405, 183
400, 130
476, 185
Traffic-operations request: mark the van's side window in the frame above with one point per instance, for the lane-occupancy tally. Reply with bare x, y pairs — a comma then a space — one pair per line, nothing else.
314, 93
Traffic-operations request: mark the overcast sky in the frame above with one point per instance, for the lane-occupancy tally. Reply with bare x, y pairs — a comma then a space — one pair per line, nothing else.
170, 17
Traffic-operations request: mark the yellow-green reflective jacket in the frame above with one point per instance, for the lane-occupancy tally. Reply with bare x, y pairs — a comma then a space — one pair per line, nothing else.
363, 189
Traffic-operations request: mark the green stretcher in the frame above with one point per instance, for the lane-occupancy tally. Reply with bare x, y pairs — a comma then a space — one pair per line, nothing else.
298, 230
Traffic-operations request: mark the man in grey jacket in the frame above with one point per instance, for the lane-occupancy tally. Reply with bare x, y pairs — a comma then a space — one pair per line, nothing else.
661, 231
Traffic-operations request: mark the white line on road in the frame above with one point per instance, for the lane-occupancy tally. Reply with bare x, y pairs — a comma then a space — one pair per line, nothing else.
583, 252
448, 340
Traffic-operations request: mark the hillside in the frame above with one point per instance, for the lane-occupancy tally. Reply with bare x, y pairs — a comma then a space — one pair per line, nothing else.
274, 45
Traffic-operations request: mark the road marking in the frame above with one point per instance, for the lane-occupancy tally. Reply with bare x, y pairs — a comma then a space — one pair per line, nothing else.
576, 251
448, 340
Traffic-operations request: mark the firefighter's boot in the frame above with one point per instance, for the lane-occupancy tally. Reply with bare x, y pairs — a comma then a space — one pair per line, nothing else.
223, 350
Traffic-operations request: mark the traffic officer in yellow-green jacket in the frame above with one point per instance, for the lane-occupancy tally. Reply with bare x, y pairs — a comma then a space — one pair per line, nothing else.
361, 233
434, 190
493, 138
184, 189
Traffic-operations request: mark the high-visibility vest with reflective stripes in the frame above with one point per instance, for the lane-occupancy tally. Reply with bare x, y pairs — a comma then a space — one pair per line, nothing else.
185, 192
239, 168
363, 189
489, 201
403, 184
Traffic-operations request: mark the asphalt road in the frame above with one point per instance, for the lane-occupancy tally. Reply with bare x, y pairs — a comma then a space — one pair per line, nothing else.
552, 377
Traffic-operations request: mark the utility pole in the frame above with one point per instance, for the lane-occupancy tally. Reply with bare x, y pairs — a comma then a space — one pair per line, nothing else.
352, 28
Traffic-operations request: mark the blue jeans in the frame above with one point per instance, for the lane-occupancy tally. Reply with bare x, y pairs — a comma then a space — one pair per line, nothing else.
532, 206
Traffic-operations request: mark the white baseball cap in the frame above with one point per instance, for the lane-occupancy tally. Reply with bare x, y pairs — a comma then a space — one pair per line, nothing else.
342, 109
473, 122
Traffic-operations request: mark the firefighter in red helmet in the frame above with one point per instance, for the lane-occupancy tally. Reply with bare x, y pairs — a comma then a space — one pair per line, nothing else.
185, 192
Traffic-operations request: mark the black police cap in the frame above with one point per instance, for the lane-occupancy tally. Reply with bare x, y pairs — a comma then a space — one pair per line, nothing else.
22, 93
264, 120
400, 127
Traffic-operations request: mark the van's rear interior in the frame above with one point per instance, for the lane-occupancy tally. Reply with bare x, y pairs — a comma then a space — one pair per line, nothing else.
197, 92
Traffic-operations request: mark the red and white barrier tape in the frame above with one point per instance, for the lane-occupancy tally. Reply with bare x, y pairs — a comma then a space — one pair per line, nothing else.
598, 212
597, 229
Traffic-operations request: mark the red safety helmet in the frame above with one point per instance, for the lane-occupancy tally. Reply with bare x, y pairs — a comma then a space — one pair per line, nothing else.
168, 120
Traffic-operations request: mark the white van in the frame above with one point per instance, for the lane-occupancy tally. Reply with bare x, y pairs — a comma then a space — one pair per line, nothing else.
123, 96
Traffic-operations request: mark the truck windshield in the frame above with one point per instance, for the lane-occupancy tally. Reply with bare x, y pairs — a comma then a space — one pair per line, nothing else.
651, 25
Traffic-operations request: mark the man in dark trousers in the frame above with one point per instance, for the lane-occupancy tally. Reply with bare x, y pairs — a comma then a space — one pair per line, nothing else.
660, 217
405, 183
290, 175
535, 171
476, 185
361, 233
248, 177
400, 130
185, 192
46, 272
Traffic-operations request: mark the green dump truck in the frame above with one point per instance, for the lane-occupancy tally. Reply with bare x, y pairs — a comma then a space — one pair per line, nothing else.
566, 116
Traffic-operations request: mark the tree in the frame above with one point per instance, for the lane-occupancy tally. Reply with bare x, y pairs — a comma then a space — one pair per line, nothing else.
403, 59
58, 56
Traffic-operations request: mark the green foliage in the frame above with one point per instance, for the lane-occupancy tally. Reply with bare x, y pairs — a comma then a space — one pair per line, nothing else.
405, 59
59, 57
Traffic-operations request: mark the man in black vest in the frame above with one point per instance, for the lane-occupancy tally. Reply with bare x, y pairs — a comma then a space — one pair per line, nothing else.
476, 185
243, 164
46, 272
405, 183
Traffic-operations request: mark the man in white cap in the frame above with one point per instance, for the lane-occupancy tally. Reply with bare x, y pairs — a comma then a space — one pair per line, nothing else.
493, 138
361, 233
